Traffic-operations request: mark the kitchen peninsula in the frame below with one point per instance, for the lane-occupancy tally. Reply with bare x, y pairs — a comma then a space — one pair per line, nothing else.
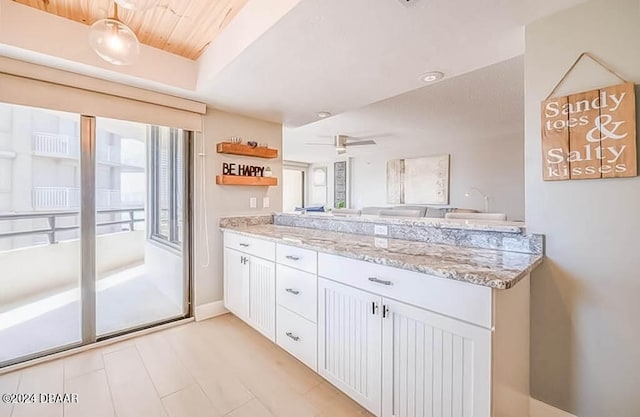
438, 318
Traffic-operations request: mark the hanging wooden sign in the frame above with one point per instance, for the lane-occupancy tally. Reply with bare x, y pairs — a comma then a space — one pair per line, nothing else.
590, 134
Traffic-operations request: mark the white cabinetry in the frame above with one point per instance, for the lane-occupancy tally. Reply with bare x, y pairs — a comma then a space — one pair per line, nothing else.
262, 296
297, 300
297, 291
433, 365
447, 348
400, 343
350, 341
236, 283
250, 282
397, 360
298, 336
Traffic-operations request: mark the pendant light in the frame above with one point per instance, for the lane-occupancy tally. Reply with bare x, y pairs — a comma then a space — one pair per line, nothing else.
114, 41
138, 4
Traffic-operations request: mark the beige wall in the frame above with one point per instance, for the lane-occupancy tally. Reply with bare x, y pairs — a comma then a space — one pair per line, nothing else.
585, 343
225, 200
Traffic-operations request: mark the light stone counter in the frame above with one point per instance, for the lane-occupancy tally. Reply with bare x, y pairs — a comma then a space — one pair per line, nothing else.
441, 223
488, 267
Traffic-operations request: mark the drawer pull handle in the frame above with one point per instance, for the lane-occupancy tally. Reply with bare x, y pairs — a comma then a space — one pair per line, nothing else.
380, 281
293, 258
292, 336
244, 245
292, 291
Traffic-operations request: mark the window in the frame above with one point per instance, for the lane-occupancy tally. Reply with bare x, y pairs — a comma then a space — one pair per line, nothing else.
167, 185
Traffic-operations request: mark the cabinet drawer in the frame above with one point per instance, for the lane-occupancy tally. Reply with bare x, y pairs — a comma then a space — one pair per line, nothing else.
297, 291
250, 245
461, 300
297, 336
304, 259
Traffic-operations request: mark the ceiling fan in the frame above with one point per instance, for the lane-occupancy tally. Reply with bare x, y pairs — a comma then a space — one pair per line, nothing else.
342, 142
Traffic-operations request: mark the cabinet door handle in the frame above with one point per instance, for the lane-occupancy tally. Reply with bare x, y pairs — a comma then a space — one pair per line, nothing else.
292, 291
293, 258
244, 245
380, 281
242, 260
385, 311
374, 308
292, 336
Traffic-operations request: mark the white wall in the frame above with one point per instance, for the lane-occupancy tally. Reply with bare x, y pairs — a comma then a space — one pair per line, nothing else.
585, 343
37, 270
225, 200
493, 164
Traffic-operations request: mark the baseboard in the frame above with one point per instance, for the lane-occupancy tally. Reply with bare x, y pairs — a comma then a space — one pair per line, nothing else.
540, 409
206, 311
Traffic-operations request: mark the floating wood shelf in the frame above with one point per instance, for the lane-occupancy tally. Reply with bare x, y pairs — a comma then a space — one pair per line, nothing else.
243, 180
246, 150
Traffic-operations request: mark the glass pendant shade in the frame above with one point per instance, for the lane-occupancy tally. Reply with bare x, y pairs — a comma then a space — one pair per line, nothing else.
114, 42
138, 4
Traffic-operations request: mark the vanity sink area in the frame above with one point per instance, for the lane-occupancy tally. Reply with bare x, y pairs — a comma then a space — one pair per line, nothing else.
393, 312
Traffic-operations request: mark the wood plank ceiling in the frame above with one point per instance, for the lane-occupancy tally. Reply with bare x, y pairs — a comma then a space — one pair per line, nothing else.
181, 27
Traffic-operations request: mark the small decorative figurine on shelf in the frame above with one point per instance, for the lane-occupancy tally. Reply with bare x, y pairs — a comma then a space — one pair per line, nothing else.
267, 172
253, 144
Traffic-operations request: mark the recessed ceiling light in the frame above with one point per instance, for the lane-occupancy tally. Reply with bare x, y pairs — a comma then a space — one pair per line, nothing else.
431, 76
323, 114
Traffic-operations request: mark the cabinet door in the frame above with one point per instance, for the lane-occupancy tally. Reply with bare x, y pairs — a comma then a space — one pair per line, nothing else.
349, 341
236, 283
433, 365
262, 296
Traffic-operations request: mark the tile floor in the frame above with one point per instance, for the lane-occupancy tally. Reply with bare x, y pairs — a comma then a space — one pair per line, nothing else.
214, 368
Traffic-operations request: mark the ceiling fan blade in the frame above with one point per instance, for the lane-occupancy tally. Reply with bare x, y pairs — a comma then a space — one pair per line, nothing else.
360, 143
364, 136
321, 144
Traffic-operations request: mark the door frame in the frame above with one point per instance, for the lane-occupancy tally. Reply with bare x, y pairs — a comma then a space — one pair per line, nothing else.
187, 245
88, 228
88, 234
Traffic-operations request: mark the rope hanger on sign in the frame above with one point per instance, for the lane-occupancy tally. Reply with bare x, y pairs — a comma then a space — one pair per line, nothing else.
582, 55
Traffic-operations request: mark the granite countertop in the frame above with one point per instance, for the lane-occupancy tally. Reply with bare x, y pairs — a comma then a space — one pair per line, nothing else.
462, 224
487, 267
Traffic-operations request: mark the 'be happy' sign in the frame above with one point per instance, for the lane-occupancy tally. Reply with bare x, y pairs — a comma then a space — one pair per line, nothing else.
590, 134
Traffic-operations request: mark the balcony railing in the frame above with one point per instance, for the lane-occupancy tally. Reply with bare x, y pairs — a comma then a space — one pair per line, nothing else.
52, 144
63, 198
65, 146
53, 198
52, 219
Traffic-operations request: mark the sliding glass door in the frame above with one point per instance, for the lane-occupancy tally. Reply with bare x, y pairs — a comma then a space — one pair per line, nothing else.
94, 229
140, 207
